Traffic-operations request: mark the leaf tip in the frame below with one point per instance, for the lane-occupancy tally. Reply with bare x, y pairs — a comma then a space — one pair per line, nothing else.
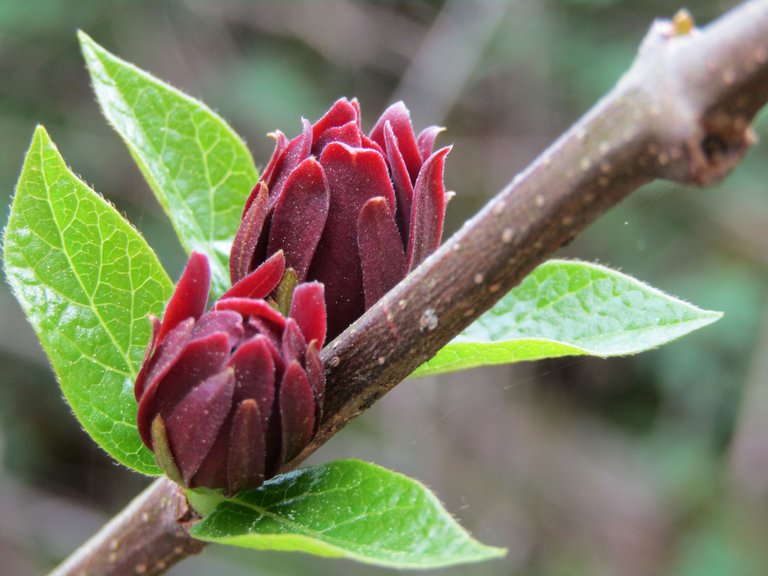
85, 40
40, 133
89, 48
492, 552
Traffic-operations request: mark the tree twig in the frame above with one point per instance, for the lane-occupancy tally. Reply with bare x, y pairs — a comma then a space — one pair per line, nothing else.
146, 538
681, 112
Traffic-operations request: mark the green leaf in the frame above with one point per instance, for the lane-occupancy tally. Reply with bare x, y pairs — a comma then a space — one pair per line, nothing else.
199, 169
568, 308
86, 280
346, 509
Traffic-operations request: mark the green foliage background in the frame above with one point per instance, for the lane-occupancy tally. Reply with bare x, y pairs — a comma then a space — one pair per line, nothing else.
655, 464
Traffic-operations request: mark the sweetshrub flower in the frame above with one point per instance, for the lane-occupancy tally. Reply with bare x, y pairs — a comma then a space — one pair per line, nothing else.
354, 212
227, 396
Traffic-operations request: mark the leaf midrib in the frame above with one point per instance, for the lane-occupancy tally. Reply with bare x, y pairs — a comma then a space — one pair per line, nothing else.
322, 536
582, 342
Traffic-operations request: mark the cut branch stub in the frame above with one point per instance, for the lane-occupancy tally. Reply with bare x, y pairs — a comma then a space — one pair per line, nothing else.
701, 109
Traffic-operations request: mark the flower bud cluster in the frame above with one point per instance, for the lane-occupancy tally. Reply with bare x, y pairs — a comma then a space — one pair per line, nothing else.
356, 212
228, 396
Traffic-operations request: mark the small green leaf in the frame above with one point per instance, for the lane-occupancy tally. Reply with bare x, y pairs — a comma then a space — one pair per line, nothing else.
199, 169
346, 509
86, 280
568, 308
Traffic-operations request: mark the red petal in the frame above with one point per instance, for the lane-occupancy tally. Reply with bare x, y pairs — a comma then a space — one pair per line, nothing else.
400, 118
246, 241
168, 352
348, 134
138, 387
297, 411
213, 471
268, 175
247, 449
297, 151
226, 322
300, 215
194, 423
428, 210
191, 294
259, 327
368, 143
255, 375
401, 180
354, 176
273, 346
260, 282
199, 360
165, 357
293, 345
308, 309
252, 307
426, 140
381, 250
339, 114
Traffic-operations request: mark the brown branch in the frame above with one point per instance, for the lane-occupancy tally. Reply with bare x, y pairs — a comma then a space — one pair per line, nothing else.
681, 112
147, 537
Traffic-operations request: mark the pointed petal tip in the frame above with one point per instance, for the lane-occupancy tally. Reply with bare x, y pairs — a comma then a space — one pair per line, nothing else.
190, 296
399, 106
426, 140
399, 117
442, 152
260, 282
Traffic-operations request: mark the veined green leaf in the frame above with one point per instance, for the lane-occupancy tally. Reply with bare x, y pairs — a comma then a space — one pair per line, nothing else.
86, 280
199, 169
347, 509
569, 308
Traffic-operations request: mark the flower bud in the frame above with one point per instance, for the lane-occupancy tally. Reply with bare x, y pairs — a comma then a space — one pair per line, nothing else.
354, 212
229, 395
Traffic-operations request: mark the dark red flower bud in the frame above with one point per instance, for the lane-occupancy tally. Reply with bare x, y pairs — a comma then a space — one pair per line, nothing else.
354, 212
227, 396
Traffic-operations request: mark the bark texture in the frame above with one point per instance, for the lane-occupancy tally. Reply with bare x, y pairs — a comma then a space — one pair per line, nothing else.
147, 537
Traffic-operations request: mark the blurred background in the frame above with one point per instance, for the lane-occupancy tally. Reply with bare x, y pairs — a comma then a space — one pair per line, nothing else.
650, 465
